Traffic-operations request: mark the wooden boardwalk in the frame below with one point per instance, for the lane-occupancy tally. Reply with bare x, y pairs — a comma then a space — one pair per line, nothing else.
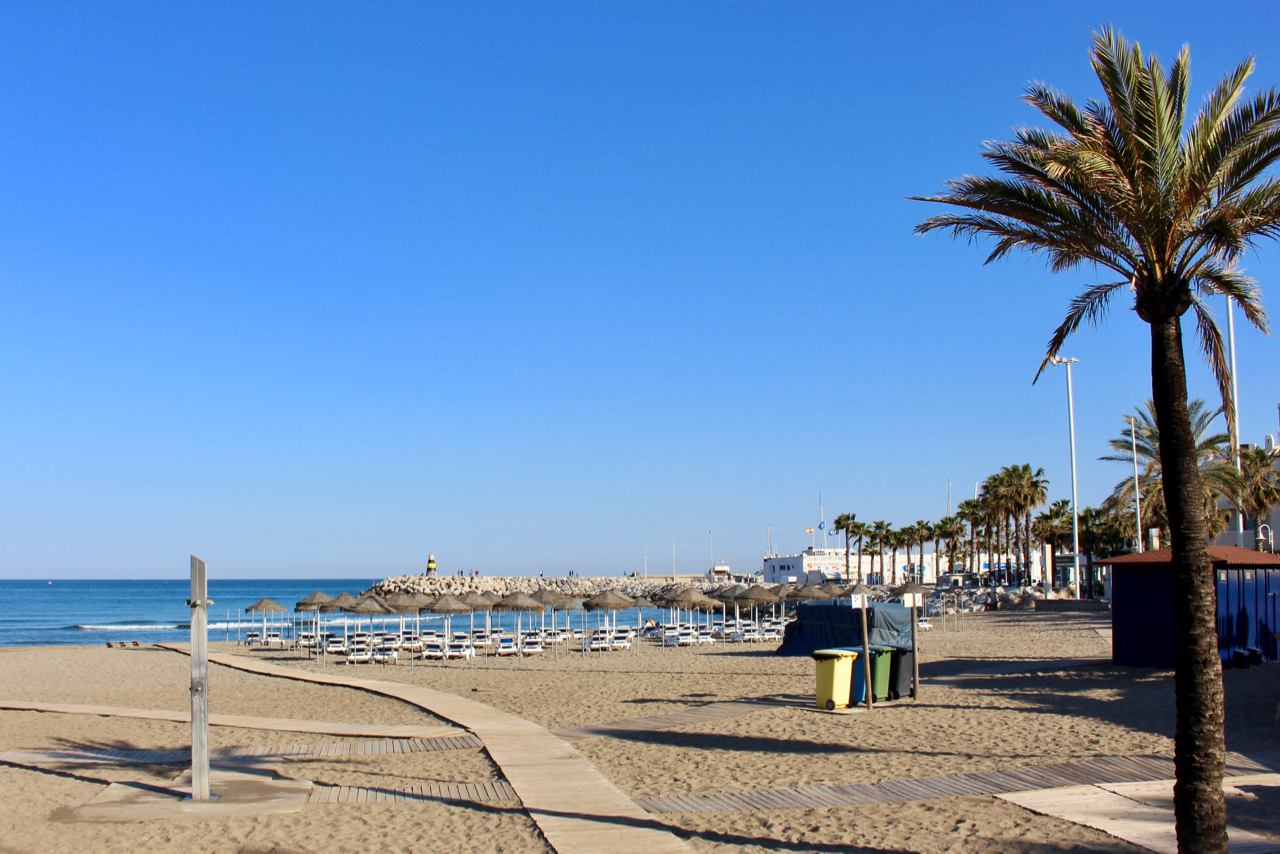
476, 793
293, 751
576, 808
241, 721
1090, 772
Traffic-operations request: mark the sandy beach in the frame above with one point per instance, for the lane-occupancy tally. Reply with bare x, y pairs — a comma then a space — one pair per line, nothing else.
966, 721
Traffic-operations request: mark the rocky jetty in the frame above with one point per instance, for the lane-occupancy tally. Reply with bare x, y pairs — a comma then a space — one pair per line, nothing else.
576, 588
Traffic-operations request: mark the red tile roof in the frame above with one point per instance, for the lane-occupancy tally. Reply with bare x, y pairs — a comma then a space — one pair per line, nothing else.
1219, 556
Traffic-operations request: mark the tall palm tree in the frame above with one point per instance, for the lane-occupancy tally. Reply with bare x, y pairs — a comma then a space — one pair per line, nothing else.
970, 511
1168, 204
1217, 473
1259, 491
861, 531
950, 529
845, 524
881, 532
1032, 490
1053, 527
923, 533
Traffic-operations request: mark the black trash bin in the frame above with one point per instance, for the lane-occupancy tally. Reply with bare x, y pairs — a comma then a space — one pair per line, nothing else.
902, 670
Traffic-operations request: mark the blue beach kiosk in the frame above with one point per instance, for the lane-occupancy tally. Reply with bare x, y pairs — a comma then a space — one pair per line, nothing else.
1248, 592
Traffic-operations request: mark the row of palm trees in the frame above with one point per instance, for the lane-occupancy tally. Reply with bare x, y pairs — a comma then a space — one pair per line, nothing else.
997, 524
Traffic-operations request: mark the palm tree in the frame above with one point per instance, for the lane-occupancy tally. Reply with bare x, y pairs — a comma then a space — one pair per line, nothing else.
845, 524
881, 532
861, 531
1217, 474
949, 529
1053, 527
1128, 186
1259, 491
970, 510
923, 533
1031, 489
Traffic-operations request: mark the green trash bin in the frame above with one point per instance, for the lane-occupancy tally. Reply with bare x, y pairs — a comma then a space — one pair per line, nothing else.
881, 661
881, 664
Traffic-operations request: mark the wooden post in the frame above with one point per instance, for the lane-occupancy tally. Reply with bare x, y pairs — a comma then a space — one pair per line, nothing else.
915, 648
199, 603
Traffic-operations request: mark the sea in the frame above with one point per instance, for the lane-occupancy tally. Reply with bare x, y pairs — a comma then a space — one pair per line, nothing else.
71, 613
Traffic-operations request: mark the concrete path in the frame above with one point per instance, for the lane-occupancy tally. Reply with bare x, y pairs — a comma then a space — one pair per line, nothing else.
575, 806
1141, 812
242, 721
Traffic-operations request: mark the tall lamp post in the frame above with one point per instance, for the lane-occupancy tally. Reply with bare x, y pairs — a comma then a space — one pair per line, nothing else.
1235, 404
1075, 509
1137, 493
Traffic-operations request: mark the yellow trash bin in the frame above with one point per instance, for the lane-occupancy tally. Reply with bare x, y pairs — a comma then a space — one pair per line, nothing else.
834, 671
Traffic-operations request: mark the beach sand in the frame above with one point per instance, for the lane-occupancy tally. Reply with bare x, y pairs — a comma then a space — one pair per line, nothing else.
963, 723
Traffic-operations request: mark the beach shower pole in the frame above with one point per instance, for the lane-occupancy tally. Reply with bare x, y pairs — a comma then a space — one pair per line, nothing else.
199, 603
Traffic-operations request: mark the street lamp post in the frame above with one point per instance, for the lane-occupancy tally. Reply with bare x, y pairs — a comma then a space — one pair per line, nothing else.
1235, 404
1075, 510
1137, 493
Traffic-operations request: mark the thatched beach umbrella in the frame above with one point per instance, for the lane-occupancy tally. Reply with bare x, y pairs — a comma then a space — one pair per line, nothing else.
311, 605
807, 593
370, 604
551, 598
449, 605
476, 602
609, 600
519, 602
834, 589
264, 607
755, 596
341, 602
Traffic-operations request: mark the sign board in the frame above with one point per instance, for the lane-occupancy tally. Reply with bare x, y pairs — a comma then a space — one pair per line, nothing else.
912, 600
857, 600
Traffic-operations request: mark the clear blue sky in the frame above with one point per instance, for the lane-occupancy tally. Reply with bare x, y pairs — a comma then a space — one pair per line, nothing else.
319, 288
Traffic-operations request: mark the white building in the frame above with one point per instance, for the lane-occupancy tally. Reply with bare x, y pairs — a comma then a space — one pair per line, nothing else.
817, 565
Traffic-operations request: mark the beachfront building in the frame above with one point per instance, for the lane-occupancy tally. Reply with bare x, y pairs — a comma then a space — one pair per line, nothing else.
818, 565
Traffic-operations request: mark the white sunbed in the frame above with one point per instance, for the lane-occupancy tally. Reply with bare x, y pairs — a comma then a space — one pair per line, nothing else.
359, 654
507, 646
386, 654
432, 649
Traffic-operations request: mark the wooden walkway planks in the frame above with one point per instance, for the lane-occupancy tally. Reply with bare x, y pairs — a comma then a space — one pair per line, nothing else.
574, 805
293, 751
241, 721
478, 793
1093, 772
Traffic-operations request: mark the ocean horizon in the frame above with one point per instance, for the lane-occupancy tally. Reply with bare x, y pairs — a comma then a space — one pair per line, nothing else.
94, 611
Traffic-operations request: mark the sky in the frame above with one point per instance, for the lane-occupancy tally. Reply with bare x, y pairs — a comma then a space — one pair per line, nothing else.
317, 289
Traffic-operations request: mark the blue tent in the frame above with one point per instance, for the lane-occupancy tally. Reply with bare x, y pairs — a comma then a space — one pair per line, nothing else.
827, 625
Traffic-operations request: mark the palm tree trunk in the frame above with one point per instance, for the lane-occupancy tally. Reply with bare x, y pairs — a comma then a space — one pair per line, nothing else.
846, 556
860, 560
1199, 746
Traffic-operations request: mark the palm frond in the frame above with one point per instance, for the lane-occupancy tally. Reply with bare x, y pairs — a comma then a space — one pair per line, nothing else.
1090, 306
1210, 339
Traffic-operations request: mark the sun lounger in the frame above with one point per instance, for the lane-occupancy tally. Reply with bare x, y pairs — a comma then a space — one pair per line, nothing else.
507, 646
459, 649
432, 649
386, 654
359, 654
250, 638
